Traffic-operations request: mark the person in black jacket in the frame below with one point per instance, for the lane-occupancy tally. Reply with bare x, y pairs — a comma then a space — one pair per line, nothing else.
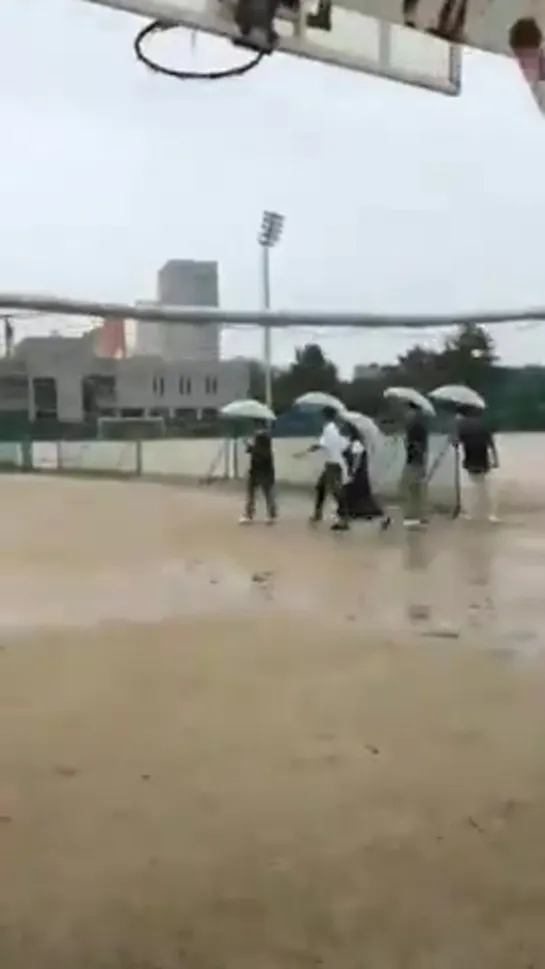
261, 474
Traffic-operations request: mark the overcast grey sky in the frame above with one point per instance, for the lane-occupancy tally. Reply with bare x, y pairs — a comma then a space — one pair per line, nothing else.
395, 199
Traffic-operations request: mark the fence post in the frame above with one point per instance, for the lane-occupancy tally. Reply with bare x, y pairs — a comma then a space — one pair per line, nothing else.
26, 454
139, 462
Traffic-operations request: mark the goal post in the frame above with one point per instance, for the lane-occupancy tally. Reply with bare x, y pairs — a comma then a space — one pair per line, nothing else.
130, 428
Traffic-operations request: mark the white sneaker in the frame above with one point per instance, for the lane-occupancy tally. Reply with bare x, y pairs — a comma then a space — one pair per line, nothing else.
412, 523
493, 520
244, 520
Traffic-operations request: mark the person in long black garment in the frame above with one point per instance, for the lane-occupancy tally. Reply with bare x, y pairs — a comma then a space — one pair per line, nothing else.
360, 499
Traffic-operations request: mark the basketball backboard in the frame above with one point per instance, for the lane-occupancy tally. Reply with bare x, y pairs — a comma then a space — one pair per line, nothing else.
350, 37
512, 27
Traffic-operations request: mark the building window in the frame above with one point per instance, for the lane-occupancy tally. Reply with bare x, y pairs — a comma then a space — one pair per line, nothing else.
44, 391
132, 412
98, 394
158, 386
184, 385
211, 385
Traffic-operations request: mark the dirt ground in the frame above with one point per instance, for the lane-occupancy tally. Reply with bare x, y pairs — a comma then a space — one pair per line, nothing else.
229, 748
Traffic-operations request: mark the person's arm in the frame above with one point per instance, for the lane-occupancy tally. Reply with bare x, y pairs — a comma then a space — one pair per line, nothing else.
318, 445
457, 433
358, 450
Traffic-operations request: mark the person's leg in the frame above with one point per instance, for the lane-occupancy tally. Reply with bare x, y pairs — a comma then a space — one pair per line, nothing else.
319, 496
411, 482
249, 509
478, 500
338, 488
486, 504
422, 495
270, 498
491, 506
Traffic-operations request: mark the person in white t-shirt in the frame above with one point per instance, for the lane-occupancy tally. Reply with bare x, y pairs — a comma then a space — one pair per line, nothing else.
333, 444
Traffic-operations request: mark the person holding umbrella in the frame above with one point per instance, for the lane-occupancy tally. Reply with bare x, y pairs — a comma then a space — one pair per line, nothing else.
476, 441
261, 474
360, 499
335, 475
480, 456
414, 476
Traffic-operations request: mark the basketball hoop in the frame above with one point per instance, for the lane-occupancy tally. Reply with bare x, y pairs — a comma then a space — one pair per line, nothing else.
159, 26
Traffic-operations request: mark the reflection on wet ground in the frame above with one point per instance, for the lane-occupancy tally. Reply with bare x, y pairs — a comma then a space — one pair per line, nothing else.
88, 553
265, 747
479, 579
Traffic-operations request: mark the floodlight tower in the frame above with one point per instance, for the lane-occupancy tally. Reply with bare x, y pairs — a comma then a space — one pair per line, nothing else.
269, 235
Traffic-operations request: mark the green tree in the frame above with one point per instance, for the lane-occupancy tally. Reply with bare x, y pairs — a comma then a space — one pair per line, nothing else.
311, 370
420, 368
468, 357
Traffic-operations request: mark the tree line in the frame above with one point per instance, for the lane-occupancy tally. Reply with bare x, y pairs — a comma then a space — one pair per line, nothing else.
515, 395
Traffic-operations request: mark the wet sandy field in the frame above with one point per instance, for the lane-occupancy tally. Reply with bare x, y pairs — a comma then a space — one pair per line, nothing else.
228, 748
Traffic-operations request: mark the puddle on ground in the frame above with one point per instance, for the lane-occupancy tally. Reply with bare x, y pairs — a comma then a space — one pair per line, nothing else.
30, 600
471, 590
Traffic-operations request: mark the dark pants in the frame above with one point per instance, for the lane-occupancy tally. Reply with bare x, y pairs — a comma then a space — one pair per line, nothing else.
330, 483
265, 484
414, 492
360, 500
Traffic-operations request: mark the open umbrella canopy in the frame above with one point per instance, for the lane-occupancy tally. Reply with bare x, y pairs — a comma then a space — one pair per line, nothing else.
410, 396
459, 395
316, 399
364, 424
248, 409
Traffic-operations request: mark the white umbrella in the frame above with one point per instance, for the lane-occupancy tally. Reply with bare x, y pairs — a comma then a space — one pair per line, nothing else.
459, 395
410, 396
318, 399
365, 425
249, 409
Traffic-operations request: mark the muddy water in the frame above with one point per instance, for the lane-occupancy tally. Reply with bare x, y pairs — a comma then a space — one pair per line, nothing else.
520, 479
77, 553
226, 748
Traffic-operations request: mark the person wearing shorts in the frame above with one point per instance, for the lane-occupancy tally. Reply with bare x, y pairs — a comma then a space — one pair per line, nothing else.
414, 477
479, 458
261, 475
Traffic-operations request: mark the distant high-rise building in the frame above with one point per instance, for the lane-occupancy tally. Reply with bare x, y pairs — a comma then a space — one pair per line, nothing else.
183, 282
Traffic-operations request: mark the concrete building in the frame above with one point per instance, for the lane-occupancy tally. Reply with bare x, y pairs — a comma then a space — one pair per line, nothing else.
367, 371
61, 377
183, 282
